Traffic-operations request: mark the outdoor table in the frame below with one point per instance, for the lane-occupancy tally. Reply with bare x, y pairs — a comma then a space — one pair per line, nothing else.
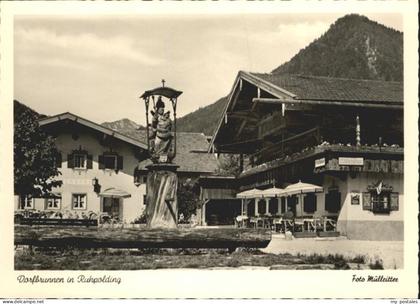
277, 221
330, 221
299, 222
241, 221
307, 222
267, 222
253, 221
260, 222
285, 222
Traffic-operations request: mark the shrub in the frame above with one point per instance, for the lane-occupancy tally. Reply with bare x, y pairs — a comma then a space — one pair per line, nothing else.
378, 264
359, 259
142, 219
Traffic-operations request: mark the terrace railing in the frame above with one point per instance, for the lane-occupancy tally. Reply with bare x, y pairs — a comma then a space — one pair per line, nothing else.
287, 146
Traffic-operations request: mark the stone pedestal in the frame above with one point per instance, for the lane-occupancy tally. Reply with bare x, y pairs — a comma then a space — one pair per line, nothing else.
162, 205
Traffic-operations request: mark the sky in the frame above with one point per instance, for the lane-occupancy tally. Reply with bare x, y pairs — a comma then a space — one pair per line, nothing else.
98, 66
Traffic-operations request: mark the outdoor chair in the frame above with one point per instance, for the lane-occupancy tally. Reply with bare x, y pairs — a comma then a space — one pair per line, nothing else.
240, 221
277, 224
253, 222
329, 224
317, 224
300, 224
269, 223
92, 215
104, 218
288, 224
260, 222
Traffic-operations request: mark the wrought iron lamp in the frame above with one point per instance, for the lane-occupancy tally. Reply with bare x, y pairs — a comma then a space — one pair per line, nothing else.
96, 185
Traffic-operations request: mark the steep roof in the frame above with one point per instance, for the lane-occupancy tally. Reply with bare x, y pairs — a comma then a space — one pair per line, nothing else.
87, 123
191, 153
288, 89
337, 89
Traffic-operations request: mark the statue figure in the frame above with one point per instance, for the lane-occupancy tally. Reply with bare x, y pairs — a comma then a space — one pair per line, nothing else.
161, 135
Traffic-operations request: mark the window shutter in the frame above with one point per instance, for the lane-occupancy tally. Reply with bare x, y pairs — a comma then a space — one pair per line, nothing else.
367, 201
306, 204
101, 162
394, 201
309, 203
119, 162
333, 201
89, 164
70, 161
328, 201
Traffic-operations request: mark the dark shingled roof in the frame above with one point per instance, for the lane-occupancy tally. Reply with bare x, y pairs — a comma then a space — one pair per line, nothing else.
191, 153
337, 89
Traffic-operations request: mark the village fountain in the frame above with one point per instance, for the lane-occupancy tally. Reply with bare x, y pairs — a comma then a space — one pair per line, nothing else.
162, 180
162, 230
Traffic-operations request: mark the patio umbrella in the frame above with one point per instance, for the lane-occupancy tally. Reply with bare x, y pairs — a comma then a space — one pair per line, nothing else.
272, 192
301, 188
114, 193
252, 193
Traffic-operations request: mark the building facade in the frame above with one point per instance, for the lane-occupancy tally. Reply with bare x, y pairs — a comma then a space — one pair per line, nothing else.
344, 135
103, 170
96, 168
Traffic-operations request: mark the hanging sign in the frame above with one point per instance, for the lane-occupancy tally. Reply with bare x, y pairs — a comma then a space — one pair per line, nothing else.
355, 198
320, 162
350, 161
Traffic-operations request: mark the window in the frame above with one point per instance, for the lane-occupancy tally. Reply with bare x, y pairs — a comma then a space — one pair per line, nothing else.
380, 198
27, 202
261, 207
273, 206
110, 161
381, 202
333, 201
309, 203
291, 203
54, 202
384, 202
79, 161
79, 201
57, 160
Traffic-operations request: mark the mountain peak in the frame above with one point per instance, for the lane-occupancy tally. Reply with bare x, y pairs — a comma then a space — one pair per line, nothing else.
353, 47
356, 19
122, 124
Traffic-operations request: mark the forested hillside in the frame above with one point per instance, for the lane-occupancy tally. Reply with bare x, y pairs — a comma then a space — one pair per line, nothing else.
204, 120
353, 47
